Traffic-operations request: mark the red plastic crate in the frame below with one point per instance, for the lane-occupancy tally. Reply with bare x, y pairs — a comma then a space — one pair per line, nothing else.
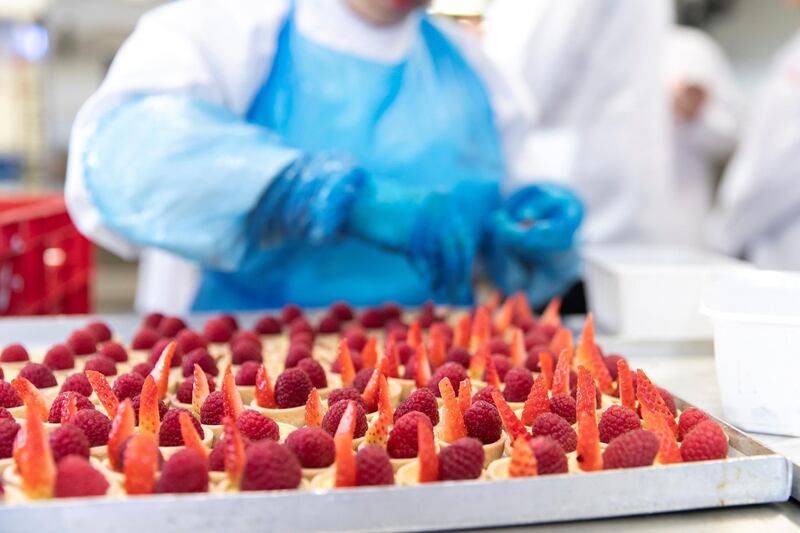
45, 264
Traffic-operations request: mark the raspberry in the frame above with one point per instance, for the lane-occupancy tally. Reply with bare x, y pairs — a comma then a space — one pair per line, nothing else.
144, 339
127, 386
497, 346
100, 331
688, 420
256, 426
185, 472
356, 340
78, 383
452, 371
82, 342
246, 335
705, 442
290, 312
292, 388
246, 375
300, 326
212, 411
39, 375
421, 400
502, 364
550, 456
296, 353
59, 357
216, 458
114, 351
189, 340
60, 402
8, 396
2, 375
362, 378
564, 406
68, 440
485, 395
8, 432
346, 393
631, 449
152, 320
14, 353
268, 325
405, 352
553, 426
159, 347
245, 350
170, 432
461, 460
75, 477
373, 467
532, 361
427, 314
669, 400
313, 447
483, 422
270, 466
611, 364
315, 372
94, 424
136, 401
402, 443
184, 394
231, 321
302, 339
329, 324
392, 311
143, 369
518, 384
171, 326
217, 330
536, 337
458, 355
330, 422
199, 356
102, 364
373, 318
342, 311
5, 414
617, 420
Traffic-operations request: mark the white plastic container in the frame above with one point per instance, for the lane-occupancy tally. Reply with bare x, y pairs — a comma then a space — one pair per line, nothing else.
756, 318
642, 292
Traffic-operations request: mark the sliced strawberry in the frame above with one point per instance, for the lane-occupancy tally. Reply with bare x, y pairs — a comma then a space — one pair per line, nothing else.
104, 393
313, 416
70, 407
518, 353
122, 427
31, 397
265, 396
33, 456
438, 348
562, 340
493, 302
523, 461
141, 464
190, 437
504, 316
668, 450
477, 363
161, 370
390, 352
586, 396
537, 402
522, 308
369, 355
234, 451
426, 453
551, 315
627, 396
546, 366
370, 394
492, 377
149, 420
348, 370
345, 463
462, 333
200, 390
561, 373
588, 448
589, 355
649, 397
513, 425
454, 427
378, 432
231, 399
414, 336
481, 328
464, 395
423, 369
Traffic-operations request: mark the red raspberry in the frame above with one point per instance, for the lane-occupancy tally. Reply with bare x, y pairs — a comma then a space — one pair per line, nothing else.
292, 388
405, 353
246, 335
356, 340
518, 384
532, 360
461, 460
346, 393
402, 443
458, 355
231, 321
171, 326
245, 350
634, 448
617, 420
170, 432
300, 326
76, 477
373, 467
392, 311
497, 346
452, 371
246, 375
502, 364
189, 340
82, 342
330, 422
485, 395
100, 331
302, 339
688, 420
128, 386
152, 320
669, 400
216, 458
2, 375
8, 432
536, 337
102, 364
296, 353
78, 383
362, 378
256, 426
329, 324
5, 414
550, 456
41, 376
94, 424
159, 347
342, 311
564, 406
183, 473
313, 447
553, 426
358, 363
268, 325
60, 402
427, 314
143, 369
290, 312
8, 396
145, 338
315, 372
483, 422
611, 364
706, 441
199, 356
14, 353
135, 403
213, 410
114, 351
184, 394
217, 330
67, 440
373, 318
270, 466
421, 400
59, 357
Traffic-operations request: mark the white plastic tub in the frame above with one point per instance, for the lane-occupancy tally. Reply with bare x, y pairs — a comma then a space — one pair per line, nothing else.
756, 318
650, 293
